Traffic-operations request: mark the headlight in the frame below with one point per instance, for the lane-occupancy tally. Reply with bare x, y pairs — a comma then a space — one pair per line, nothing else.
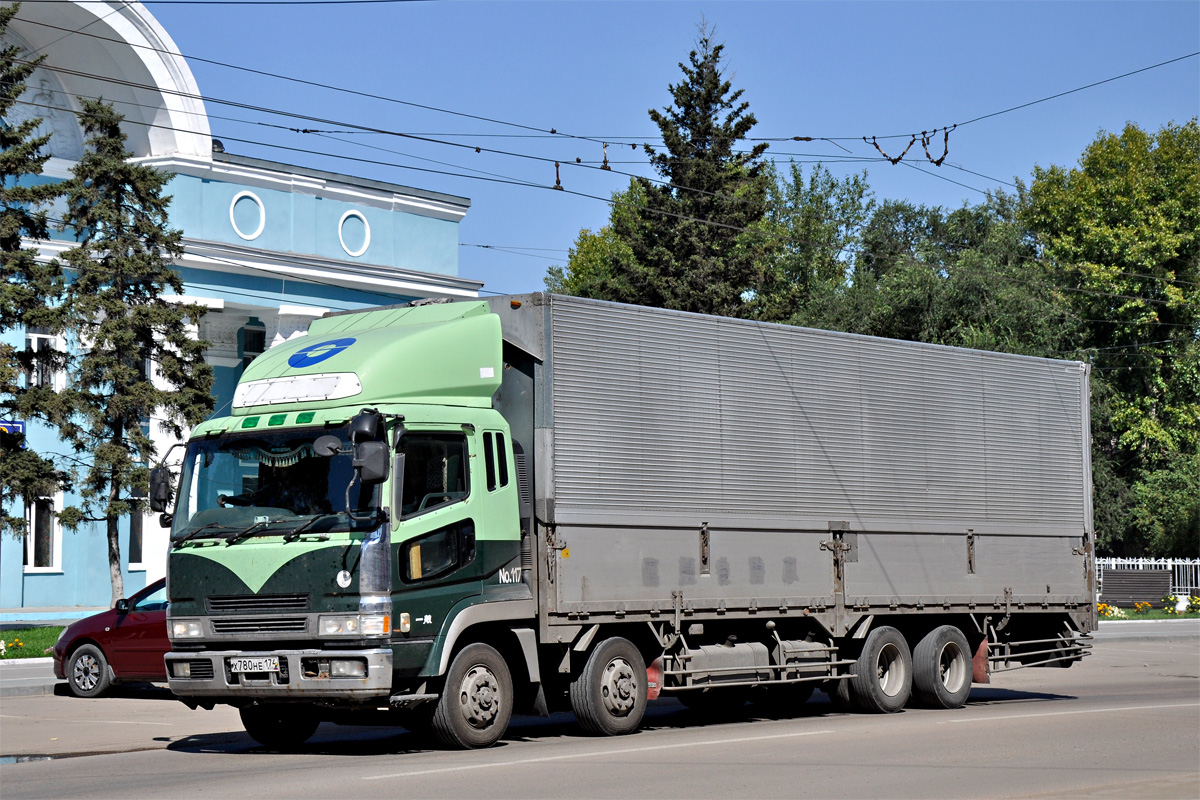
186, 629
348, 625
355, 625
61, 634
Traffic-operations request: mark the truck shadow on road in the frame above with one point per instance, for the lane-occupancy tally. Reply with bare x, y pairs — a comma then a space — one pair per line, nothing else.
351, 740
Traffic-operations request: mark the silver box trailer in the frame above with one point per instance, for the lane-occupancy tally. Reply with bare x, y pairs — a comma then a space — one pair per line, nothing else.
690, 468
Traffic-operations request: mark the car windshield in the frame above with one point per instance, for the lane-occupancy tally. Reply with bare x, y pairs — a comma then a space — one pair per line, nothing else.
260, 482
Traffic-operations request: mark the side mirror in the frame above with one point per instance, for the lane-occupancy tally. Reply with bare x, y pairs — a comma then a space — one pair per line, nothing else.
165, 520
122, 606
160, 488
371, 460
327, 446
367, 426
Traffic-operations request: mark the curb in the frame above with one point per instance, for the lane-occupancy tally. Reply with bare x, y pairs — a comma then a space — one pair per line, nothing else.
39, 660
29, 691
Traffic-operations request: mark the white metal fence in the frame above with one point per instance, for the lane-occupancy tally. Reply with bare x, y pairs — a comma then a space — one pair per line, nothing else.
1185, 572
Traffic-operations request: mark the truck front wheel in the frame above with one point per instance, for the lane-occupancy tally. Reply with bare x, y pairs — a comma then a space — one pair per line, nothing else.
477, 703
883, 679
280, 727
942, 668
609, 696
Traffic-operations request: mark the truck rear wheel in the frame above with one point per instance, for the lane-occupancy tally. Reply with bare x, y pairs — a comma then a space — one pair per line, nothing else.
883, 680
942, 668
609, 696
280, 727
477, 702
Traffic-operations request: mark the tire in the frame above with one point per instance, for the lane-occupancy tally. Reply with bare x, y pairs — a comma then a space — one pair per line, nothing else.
883, 679
280, 727
839, 695
942, 668
609, 696
477, 701
87, 672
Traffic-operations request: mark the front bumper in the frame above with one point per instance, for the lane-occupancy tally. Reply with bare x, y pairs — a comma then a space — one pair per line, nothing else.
297, 677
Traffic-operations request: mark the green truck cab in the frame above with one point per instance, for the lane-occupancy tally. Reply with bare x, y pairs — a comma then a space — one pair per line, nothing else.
376, 431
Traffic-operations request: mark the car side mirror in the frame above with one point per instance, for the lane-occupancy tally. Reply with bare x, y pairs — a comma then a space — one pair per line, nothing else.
371, 460
160, 488
122, 606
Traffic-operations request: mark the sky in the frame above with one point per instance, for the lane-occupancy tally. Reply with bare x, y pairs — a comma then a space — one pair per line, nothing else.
594, 69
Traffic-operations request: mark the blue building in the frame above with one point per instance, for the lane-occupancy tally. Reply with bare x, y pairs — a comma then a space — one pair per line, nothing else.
269, 247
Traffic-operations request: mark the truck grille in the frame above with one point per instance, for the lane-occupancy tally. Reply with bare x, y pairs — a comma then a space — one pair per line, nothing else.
223, 604
261, 625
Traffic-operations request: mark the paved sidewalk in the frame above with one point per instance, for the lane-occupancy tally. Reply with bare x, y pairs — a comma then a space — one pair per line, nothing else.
12, 618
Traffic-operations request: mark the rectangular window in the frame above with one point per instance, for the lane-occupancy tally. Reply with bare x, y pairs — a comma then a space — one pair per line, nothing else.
502, 459
435, 471
135, 538
438, 553
489, 458
42, 538
40, 344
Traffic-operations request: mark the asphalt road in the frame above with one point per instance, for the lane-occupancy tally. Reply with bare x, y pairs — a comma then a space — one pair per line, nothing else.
1123, 723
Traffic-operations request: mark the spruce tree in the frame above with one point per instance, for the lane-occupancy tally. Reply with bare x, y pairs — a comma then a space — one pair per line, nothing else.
684, 243
30, 297
138, 360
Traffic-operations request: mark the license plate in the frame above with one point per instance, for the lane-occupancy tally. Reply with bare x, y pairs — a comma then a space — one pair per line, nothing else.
257, 664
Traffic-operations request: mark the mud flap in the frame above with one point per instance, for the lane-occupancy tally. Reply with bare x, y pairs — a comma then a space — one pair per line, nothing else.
654, 678
981, 666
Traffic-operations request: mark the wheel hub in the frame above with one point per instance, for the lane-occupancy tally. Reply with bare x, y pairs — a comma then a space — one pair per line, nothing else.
478, 697
86, 673
618, 687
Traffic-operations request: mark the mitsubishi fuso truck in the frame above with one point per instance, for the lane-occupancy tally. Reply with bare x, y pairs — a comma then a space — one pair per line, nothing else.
440, 514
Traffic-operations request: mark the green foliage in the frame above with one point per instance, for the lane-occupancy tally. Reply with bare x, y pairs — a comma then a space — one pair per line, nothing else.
28, 642
814, 228
1122, 231
140, 363
29, 297
684, 244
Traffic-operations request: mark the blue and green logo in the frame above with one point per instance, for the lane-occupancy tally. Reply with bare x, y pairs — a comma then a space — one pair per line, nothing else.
316, 353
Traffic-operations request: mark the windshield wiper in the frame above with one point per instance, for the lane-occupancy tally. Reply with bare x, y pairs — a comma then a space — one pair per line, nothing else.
294, 533
193, 534
248, 532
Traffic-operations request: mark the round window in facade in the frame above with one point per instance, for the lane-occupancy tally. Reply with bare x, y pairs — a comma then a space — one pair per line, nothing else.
247, 215
354, 233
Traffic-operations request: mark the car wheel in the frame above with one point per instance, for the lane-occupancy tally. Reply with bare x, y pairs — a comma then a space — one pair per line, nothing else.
87, 672
280, 727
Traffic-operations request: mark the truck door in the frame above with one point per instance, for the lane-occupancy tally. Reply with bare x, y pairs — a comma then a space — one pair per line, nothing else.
437, 544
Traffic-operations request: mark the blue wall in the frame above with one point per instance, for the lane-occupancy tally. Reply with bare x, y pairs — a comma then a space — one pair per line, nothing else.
302, 223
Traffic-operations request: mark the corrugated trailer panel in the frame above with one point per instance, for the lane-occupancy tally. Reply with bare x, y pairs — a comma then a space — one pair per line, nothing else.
680, 415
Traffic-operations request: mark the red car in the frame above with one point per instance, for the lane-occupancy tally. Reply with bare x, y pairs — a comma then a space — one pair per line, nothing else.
126, 643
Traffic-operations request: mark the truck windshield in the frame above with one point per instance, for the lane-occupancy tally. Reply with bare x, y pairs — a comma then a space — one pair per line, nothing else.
264, 483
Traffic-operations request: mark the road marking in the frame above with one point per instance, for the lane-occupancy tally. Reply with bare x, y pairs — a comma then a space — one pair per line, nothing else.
591, 754
1065, 713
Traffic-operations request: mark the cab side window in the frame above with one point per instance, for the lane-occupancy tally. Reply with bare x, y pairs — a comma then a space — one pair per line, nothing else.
435, 471
438, 553
495, 456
